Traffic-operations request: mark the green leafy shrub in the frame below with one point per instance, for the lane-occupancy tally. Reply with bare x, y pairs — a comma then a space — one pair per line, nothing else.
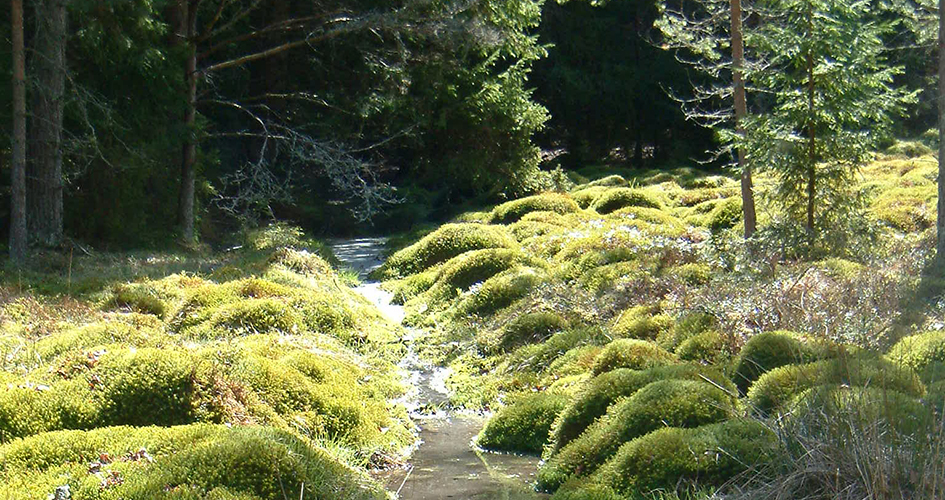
514, 210
617, 198
530, 328
603, 390
638, 323
443, 244
780, 385
195, 461
523, 425
706, 347
919, 351
767, 351
631, 353
680, 459
664, 403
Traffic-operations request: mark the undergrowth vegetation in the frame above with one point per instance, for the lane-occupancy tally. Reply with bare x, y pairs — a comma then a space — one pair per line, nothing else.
245, 375
625, 331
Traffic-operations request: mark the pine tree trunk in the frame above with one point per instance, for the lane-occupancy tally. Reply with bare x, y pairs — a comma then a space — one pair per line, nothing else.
188, 176
18, 234
741, 113
811, 131
44, 170
940, 223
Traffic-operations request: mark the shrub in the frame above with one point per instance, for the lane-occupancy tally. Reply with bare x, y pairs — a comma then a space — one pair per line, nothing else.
196, 461
603, 390
617, 198
767, 351
707, 347
682, 459
530, 328
631, 353
782, 384
522, 426
637, 323
920, 351
443, 244
500, 291
550, 202
665, 403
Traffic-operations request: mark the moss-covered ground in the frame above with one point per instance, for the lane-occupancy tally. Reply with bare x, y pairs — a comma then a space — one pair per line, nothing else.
254, 374
624, 331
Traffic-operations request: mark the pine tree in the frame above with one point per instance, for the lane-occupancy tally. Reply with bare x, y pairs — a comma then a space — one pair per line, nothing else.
831, 99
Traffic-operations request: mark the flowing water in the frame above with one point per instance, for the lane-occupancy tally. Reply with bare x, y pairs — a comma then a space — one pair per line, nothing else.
446, 465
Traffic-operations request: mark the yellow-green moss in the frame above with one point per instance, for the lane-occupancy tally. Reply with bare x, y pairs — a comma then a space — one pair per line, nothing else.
523, 425
442, 245
617, 198
631, 353
514, 210
640, 323
919, 351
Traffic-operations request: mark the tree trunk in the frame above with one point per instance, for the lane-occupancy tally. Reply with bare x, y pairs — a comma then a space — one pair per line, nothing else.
811, 131
18, 234
940, 223
188, 175
44, 170
741, 113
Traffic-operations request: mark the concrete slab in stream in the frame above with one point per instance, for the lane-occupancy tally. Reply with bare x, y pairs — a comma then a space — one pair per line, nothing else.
446, 465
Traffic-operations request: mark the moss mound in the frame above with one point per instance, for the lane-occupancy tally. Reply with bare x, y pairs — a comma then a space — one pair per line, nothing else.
639, 323
197, 461
706, 347
673, 403
514, 210
529, 329
617, 198
477, 266
688, 326
919, 352
585, 197
681, 459
501, 291
603, 390
780, 385
844, 411
522, 426
443, 244
767, 351
631, 353
725, 215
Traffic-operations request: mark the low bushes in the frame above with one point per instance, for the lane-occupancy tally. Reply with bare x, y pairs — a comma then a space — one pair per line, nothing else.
782, 384
603, 390
443, 244
631, 353
514, 210
682, 459
523, 425
617, 198
673, 403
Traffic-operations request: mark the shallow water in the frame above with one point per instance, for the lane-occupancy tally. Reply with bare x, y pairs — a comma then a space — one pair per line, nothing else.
446, 465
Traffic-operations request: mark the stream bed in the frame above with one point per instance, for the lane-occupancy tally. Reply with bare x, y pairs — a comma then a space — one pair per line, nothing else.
446, 465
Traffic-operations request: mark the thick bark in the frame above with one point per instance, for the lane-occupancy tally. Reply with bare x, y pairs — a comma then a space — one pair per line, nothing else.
940, 224
741, 113
44, 170
18, 234
186, 17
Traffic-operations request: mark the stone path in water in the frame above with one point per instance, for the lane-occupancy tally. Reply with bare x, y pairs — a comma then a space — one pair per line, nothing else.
446, 465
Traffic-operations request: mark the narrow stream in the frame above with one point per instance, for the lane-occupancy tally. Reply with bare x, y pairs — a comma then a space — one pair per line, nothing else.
446, 465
